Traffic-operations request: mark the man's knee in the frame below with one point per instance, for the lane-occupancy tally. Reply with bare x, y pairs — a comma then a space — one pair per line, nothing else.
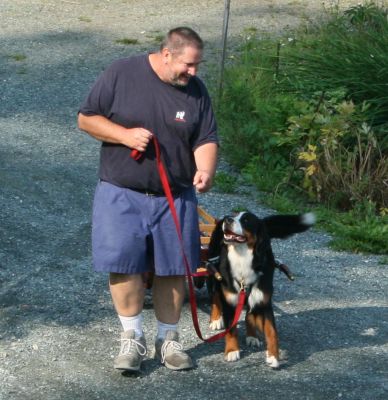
115, 278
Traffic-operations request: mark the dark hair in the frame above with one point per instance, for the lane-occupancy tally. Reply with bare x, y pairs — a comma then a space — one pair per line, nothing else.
179, 38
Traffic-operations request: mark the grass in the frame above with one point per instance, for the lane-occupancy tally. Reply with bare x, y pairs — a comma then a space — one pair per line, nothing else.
157, 39
127, 41
383, 261
225, 182
350, 51
359, 231
17, 57
84, 19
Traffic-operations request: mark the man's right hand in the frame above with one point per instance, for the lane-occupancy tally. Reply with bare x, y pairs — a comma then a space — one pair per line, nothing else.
105, 130
138, 138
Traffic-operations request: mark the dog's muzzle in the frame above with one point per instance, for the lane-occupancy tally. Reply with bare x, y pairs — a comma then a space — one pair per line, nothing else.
233, 232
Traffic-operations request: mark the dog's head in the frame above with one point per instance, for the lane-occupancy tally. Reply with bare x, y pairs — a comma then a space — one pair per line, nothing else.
244, 228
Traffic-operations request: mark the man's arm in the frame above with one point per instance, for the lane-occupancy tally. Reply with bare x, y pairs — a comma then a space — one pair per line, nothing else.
101, 128
206, 161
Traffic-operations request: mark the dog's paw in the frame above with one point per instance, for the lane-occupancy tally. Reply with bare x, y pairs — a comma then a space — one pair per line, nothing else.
217, 324
272, 361
283, 356
232, 356
252, 341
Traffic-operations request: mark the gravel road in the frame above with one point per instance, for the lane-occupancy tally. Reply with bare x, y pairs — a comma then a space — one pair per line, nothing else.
58, 330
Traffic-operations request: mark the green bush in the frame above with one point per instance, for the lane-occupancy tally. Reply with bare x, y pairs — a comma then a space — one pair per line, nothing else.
252, 106
339, 154
306, 117
348, 51
225, 182
358, 230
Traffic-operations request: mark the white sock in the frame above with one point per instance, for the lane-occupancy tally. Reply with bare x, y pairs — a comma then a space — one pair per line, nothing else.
135, 323
163, 328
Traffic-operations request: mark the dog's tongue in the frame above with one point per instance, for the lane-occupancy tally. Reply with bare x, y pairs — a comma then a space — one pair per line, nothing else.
240, 238
231, 236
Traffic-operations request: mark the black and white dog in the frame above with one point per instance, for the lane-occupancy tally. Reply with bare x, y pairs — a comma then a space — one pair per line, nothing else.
243, 245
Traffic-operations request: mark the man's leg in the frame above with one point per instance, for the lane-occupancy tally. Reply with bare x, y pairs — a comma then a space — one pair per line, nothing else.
168, 296
127, 293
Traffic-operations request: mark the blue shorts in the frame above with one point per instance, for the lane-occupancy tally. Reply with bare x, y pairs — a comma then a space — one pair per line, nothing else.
134, 232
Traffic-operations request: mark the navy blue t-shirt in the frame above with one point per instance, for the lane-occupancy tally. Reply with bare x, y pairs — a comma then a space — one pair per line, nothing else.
131, 94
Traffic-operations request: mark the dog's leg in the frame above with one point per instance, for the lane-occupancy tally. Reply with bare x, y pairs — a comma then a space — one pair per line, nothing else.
216, 321
271, 337
232, 347
250, 323
265, 323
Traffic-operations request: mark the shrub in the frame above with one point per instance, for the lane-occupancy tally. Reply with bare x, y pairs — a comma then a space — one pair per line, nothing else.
225, 182
308, 115
252, 106
348, 51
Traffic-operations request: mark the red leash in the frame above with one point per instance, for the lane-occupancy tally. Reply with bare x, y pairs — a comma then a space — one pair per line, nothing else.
135, 154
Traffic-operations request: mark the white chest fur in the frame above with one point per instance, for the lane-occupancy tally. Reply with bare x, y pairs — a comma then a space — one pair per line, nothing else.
240, 258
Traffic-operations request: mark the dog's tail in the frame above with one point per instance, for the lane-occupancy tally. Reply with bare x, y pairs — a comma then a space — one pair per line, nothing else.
282, 226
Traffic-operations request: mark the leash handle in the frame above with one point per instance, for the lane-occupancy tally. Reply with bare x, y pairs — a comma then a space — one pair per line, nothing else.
135, 154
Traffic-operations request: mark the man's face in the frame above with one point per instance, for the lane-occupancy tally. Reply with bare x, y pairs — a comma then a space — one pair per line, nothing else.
182, 66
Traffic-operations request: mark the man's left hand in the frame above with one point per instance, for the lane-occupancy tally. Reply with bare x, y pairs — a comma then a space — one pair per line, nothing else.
202, 181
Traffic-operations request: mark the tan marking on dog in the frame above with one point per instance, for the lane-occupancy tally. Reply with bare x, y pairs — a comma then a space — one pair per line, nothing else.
271, 338
251, 239
251, 331
259, 321
216, 321
250, 325
232, 348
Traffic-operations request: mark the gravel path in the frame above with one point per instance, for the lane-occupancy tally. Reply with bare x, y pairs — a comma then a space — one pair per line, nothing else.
57, 326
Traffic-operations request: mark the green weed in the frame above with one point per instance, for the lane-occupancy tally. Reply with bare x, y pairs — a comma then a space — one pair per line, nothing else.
238, 208
225, 182
384, 261
158, 39
17, 57
84, 19
127, 41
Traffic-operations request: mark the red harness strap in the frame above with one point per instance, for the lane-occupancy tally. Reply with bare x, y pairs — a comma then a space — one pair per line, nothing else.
193, 305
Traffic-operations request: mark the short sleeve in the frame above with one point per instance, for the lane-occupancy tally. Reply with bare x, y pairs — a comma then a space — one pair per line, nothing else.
207, 128
101, 96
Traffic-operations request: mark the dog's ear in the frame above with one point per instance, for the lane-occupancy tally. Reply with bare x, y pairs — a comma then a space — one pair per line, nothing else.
262, 238
216, 240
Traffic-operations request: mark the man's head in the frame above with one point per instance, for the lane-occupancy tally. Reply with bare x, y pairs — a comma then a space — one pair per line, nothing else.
181, 52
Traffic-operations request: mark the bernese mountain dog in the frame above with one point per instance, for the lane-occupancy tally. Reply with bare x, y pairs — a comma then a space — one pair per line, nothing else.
241, 246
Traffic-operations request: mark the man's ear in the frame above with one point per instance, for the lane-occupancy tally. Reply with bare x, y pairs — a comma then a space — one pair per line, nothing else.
166, 55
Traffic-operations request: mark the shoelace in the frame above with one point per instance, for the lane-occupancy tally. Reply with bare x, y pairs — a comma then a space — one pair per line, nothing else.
127, 346
167, 345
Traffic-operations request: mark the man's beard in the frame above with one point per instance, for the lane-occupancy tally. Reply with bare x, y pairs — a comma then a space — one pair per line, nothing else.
180, 82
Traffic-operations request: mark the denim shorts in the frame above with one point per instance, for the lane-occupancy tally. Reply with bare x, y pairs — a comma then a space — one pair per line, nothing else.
134, 232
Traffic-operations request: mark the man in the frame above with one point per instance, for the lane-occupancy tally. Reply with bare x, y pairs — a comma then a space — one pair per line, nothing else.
133, 230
